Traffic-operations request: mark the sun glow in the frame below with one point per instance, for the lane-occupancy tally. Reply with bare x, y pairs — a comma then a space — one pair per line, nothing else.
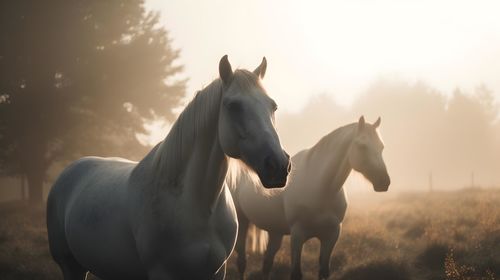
338, 47
352, 42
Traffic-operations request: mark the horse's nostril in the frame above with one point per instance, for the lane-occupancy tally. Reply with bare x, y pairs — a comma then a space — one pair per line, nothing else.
289, 167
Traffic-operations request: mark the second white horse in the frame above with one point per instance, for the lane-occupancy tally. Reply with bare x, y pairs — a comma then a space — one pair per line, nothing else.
313, 204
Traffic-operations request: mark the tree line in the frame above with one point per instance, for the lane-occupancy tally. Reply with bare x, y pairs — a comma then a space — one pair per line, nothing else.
455, 139
78, 78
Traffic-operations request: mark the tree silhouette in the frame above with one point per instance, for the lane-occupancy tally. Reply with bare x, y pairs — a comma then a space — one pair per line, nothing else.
79, 77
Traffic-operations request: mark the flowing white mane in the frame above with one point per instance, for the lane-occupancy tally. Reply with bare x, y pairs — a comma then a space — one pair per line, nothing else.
200, 113
239, 171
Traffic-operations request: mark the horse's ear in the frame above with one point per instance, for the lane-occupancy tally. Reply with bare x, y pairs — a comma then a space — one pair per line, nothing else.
260, 71
361, 123
377, 123
225, 70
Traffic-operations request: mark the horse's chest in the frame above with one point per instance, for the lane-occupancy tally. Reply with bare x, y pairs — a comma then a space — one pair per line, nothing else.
204, 250
191, 245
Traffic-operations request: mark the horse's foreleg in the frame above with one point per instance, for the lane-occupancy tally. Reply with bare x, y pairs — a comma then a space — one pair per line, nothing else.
328, 242
241, 242
297, 240
273, 246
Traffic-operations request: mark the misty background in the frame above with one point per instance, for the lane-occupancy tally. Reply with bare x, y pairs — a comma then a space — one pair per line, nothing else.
432, 142
109, 78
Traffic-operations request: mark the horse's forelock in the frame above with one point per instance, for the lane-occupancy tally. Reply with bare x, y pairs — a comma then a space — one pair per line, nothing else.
246, 80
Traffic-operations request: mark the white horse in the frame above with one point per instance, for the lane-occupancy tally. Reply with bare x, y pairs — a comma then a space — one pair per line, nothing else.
169, 216
313, 204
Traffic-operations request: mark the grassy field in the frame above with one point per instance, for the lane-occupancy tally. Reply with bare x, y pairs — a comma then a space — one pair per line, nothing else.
443, 235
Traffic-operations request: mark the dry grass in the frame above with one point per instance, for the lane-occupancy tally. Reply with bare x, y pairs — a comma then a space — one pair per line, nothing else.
24, 251
415, 236
448, 235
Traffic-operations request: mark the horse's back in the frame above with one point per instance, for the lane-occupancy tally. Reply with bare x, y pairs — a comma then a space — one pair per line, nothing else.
80, 174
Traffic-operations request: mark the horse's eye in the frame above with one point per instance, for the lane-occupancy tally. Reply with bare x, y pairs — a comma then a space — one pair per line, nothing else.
363, 146
234, 106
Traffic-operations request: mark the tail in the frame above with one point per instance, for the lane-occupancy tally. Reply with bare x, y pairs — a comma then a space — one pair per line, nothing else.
258, 239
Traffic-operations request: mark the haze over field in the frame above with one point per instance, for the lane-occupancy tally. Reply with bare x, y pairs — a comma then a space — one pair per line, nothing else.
429, 68
110, 78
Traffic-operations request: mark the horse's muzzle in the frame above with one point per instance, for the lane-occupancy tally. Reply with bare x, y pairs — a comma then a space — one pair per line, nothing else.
275, 171
383, 184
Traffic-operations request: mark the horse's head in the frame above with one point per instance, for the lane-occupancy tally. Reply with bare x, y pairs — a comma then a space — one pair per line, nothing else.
246, 124
365, 155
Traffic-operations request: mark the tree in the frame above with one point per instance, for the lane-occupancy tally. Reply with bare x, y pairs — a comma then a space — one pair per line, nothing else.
79, 77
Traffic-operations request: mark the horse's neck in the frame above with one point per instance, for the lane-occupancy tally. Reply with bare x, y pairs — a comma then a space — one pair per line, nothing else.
205, 171
329, 159
190, 162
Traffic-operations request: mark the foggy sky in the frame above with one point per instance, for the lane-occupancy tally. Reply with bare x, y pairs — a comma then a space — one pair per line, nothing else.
338, 47
326, 58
